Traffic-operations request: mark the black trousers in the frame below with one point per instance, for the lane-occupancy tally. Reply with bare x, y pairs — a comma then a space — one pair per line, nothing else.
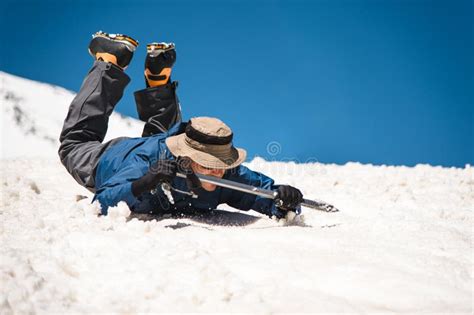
87, 120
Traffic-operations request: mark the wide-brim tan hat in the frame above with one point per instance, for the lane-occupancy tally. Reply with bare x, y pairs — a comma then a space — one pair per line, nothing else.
208, 142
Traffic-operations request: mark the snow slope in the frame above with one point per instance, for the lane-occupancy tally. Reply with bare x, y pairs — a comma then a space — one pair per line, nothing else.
401, 243
32, 115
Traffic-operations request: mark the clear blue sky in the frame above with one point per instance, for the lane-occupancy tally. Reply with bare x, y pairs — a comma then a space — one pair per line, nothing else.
383, 82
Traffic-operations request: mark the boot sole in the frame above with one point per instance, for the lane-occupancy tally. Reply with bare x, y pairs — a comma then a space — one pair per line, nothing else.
129, 42
155, 49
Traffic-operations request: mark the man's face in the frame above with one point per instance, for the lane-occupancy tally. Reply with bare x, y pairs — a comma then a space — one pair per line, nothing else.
199, 169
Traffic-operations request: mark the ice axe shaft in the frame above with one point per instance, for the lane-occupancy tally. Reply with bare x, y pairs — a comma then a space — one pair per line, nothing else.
266, 193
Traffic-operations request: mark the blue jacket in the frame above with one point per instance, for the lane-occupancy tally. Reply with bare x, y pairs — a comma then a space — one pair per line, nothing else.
130, 159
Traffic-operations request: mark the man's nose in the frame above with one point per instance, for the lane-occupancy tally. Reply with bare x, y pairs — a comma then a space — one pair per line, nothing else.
216, 172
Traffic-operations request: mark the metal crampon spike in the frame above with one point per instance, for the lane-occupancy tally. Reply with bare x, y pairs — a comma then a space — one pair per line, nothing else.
127, 40
155, 49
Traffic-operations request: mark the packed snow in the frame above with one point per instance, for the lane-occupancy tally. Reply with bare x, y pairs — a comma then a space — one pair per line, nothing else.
33, 113
402, 242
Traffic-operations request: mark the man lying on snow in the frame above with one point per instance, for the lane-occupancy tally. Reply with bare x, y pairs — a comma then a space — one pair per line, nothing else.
132, 169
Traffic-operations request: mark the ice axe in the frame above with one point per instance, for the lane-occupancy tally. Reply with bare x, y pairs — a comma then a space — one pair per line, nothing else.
265, 193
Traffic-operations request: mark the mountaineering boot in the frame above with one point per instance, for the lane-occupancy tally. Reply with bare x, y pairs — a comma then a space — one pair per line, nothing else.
114, 48
159, 60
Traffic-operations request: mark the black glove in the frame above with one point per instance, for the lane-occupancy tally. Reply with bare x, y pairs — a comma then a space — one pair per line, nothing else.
161, 171
289, 197
192, 181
